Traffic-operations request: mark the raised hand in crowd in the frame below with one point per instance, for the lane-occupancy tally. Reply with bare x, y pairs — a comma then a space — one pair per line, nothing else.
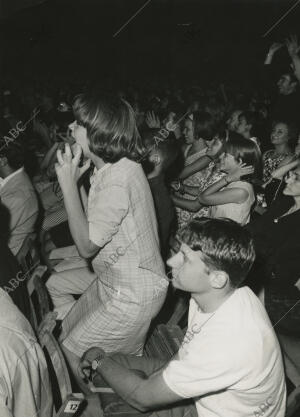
293, 50
292, 45
152, 120
272, 50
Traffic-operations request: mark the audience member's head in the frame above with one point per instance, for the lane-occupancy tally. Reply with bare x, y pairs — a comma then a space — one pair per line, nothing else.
245, 151
248, 123
12, 157
292, 180
233, 120
199, 125
284, 133
215, 255
105, 126
287, 84
161, 151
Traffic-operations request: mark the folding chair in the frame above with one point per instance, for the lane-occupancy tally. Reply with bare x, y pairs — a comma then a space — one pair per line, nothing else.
28, 256
38, 295
66, 403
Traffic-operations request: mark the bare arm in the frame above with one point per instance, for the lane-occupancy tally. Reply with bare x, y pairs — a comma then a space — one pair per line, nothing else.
196, 166
135, 387
270, 55
68, 173
50, 156
213, 195
189, 205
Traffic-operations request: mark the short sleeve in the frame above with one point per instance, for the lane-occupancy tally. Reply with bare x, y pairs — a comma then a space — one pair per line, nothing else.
5, 402
106, 210
205, 368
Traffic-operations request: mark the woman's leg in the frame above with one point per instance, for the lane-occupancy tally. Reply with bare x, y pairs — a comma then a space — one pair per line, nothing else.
62, 286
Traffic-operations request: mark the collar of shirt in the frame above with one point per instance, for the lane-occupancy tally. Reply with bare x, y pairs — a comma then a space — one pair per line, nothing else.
98, 172
4, 181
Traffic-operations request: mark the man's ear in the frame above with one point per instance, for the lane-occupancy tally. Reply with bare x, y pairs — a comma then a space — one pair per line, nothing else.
3, 161
155, 158
249, 127
294, 84
218, 279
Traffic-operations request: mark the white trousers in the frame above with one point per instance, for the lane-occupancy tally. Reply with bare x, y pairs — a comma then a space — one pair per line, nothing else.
63, 285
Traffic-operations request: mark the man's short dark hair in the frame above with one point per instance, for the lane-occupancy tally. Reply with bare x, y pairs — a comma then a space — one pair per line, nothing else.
227, 245
205, 126
14, 152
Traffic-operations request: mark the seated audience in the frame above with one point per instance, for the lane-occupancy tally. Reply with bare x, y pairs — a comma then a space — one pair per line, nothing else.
17, 194
161, 154
116, 228
199, 128
24, 382
232, 196
212, 174
277, 242
229, 362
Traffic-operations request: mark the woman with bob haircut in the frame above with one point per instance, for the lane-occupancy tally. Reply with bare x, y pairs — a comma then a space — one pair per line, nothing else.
115, 227
233, 196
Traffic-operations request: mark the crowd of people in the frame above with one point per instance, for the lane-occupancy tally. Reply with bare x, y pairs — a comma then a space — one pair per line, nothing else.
148, 183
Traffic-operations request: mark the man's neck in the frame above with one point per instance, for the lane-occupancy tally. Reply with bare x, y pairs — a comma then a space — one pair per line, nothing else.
198, 145
98, 162
7, 171
209, 303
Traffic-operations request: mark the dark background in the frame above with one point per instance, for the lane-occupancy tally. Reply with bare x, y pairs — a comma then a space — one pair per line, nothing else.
74, 39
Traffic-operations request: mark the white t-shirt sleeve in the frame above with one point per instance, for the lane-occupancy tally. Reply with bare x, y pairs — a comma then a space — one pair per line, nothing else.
202, 368
106, 211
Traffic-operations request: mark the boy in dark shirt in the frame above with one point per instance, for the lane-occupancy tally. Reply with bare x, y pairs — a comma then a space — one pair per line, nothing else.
162, 152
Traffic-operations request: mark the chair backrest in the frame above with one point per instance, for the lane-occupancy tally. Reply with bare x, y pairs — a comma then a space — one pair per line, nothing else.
28, 256
58, 371
38, 295
65, 402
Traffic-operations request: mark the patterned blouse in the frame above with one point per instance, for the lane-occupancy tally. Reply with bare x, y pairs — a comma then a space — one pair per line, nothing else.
271, 161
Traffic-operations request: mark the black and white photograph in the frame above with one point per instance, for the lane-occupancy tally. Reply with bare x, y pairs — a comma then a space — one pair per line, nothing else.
149, 208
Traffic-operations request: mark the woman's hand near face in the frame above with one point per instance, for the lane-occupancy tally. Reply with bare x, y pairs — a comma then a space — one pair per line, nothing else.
67, 168
241, 170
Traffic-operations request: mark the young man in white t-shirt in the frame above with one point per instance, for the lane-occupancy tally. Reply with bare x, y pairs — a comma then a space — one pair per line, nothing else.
229, 363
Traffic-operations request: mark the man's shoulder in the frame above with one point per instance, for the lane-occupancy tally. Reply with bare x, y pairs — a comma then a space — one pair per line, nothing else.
12, 321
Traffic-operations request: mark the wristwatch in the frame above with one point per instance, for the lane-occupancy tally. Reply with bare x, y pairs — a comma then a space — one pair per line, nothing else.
97, 362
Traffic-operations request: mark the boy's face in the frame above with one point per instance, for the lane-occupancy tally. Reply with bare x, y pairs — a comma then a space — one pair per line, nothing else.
189, 270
